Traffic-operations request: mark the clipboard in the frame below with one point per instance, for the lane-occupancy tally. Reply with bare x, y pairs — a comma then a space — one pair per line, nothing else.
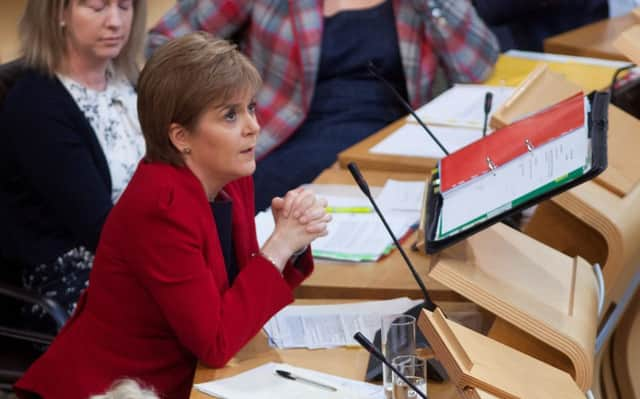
477, 172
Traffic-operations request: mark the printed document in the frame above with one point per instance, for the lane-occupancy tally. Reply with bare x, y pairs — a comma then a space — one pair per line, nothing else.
328, 326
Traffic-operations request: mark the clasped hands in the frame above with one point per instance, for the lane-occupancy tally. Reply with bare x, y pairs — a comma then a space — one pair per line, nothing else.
300, 218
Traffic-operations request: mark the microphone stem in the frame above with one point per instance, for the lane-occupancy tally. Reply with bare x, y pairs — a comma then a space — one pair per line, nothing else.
428, 303
484, 127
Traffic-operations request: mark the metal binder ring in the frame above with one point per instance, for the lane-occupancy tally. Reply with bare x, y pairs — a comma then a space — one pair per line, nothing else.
529, 145
490, 164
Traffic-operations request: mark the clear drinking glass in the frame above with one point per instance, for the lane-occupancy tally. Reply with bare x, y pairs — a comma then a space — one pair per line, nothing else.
415, 370
398, 337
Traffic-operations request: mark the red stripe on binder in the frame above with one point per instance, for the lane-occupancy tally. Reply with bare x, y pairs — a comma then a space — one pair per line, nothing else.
511, 141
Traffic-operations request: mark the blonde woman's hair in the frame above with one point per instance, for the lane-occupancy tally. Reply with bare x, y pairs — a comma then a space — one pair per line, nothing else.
182, 80
43, 42
126, 389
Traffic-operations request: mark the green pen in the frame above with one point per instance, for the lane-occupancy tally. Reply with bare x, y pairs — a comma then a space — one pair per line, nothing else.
348, 209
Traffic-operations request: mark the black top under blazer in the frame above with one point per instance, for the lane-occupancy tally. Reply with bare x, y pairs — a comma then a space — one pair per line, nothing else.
55, 186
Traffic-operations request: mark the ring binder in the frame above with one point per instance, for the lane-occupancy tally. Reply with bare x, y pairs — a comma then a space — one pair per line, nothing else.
567, 143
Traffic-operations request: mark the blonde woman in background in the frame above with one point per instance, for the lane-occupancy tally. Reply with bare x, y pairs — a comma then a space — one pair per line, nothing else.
71, 139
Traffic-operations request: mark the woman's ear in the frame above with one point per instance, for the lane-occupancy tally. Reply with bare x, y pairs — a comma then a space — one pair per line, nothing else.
179, 137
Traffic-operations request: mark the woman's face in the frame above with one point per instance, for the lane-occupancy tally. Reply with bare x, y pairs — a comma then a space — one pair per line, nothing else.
97, 30
223, 142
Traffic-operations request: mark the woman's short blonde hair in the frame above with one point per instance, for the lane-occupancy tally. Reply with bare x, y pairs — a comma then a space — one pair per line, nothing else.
184, 78
126, 389
43, 41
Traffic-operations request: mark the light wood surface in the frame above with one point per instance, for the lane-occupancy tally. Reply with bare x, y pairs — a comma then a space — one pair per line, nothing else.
474, 360
593, 40
343, 362
387, 278
541, 89
11, 10
626, 351
612, 215
628, 43
550, 298
360, 154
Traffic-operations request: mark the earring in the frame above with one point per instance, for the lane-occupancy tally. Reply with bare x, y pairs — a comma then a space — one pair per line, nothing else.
62, 23
186, 150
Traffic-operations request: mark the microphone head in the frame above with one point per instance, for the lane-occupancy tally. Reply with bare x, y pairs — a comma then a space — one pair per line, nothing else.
357, 176
488, 99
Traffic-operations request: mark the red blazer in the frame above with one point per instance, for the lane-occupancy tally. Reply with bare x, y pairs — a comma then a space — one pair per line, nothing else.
158, 298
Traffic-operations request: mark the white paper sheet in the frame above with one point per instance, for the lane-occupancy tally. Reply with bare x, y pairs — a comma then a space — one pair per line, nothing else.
410, 140
327, 326
462, 105
263, 383
401, 195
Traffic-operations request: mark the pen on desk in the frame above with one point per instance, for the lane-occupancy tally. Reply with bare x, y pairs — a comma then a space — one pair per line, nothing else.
348, 209
290, 376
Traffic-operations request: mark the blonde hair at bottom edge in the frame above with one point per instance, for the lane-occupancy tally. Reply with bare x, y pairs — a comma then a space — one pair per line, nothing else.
127, 389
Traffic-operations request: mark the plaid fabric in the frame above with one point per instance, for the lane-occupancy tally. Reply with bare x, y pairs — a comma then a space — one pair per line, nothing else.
283, 39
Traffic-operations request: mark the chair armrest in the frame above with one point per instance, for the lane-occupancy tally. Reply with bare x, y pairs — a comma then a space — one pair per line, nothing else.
51, 307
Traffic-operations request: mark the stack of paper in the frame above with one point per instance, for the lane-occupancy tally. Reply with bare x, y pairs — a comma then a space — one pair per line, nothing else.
327, 326
263, 383
455, 117
356, 233
462, 105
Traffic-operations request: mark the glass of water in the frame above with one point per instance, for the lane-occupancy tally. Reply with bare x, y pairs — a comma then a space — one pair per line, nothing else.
398, 337
413, 369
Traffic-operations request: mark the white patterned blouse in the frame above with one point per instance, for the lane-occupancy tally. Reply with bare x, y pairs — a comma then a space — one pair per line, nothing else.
113, 115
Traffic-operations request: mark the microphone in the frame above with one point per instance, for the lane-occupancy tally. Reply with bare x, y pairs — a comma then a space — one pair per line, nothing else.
374, 71
366, 344
488, 98
435, 370
357, 176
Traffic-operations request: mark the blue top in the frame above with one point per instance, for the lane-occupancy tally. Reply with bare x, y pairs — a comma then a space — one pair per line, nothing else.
222, 213
348, 104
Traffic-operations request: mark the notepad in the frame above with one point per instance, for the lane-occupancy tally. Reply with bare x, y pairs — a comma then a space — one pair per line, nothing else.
263, 383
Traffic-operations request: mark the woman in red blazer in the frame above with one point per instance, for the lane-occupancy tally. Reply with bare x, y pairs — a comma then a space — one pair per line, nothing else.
178, 275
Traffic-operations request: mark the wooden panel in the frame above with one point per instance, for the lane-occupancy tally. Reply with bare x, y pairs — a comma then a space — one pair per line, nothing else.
628, 43
626, 351
594, 40
360, 154
548, 295
476, 361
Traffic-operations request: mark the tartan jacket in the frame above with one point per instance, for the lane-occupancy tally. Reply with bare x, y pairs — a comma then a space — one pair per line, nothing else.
283, 39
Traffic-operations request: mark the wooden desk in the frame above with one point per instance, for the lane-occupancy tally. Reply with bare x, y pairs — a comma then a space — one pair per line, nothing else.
343, 362
388, 278
392, 163
593, 40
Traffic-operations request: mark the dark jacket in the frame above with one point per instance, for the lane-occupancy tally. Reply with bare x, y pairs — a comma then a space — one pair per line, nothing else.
524, 24
55, 186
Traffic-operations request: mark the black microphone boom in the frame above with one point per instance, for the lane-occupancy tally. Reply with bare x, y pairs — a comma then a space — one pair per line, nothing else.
362, 340
372, 68
488, 99
357, 176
